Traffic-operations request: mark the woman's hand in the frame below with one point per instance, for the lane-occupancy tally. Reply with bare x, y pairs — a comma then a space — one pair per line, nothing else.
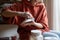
27, 22
30, 22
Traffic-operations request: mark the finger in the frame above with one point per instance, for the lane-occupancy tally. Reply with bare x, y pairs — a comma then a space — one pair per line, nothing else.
23, 25
29, 14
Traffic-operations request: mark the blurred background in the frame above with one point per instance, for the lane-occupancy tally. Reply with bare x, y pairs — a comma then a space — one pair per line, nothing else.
53, 10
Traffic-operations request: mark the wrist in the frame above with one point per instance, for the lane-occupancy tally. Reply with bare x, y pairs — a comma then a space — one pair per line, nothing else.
39, 25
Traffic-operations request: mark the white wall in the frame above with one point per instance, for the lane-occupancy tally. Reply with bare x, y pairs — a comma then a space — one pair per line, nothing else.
56, 14
59, 13
53, 9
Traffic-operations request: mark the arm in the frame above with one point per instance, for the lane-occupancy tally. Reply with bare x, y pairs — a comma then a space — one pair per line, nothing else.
9, 13
43, 19
41, 22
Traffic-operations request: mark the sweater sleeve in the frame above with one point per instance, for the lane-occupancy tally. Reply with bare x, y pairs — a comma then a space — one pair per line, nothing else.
42, 19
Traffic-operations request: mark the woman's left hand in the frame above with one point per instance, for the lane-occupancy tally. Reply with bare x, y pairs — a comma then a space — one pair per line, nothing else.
27, 22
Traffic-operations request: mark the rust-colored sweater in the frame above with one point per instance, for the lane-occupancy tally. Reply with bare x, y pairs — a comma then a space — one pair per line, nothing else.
39, 13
